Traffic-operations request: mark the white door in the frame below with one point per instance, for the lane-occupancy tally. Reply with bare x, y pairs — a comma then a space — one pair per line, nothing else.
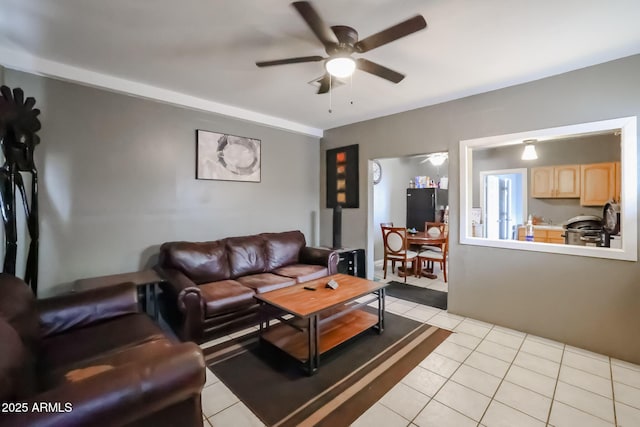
492, 221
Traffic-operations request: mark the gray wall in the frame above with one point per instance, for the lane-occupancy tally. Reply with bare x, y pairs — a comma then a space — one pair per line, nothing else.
570, 151
587, 302
117, 178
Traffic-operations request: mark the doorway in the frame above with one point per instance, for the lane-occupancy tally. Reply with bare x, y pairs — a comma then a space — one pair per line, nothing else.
503, 201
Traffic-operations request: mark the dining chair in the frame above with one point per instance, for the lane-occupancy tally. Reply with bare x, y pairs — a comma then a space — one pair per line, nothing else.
388, 224
434, 228
439, 256
395, 249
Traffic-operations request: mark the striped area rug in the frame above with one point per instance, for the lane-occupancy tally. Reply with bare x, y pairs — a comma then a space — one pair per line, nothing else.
351, 377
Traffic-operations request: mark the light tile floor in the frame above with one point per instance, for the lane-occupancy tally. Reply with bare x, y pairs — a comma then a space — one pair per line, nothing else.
482, 375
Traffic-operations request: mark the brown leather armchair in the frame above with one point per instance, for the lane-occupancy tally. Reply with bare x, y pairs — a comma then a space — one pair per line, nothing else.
94, 359
209, 286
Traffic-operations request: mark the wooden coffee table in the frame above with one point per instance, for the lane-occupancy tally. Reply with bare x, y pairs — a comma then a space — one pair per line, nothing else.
323, 319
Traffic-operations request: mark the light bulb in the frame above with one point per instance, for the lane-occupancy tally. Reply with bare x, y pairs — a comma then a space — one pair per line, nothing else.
340, 67
529, 152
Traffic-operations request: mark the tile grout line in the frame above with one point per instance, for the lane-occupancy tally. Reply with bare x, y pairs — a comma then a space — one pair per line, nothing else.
500, 384
555, 387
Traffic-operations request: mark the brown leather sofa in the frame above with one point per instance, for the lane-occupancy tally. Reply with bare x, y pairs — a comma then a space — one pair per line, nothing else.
209, 286
92, 359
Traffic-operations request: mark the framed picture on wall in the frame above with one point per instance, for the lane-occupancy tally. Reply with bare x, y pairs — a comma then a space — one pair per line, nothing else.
342, 177
224, 157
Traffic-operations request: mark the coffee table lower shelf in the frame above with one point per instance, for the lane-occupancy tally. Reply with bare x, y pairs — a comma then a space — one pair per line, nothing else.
331, 334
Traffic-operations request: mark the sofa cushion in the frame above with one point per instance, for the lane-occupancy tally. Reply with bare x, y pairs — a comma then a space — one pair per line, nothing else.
247, 255
224, 296
202, 262
266, 282
97, 340
91, 366
283, 248
302, 272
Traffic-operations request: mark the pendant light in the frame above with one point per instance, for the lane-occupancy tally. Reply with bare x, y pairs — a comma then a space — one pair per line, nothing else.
529, 152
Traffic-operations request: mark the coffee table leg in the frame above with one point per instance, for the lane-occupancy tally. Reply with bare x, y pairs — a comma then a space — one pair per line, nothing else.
313, 361
381, 307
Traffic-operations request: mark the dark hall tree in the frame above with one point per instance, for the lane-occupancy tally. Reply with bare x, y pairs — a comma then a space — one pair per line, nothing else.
18, 126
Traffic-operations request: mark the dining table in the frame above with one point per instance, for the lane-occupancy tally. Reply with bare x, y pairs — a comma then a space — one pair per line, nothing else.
420, 238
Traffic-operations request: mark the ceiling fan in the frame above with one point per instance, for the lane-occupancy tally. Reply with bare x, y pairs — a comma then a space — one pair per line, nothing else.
340, 42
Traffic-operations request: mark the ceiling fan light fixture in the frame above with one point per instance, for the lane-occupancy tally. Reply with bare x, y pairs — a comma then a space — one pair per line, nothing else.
340, 67
529, 152
438, 159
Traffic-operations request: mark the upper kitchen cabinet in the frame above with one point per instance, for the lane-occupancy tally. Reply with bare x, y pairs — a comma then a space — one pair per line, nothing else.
598, 183
556, 182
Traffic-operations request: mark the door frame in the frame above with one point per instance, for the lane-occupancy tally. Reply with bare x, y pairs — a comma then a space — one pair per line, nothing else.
525, 185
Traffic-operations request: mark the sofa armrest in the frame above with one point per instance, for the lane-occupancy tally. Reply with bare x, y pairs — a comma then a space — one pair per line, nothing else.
123, 395
320, 256
188, 298
62, 313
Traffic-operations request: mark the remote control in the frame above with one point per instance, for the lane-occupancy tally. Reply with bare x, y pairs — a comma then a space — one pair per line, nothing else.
309, 288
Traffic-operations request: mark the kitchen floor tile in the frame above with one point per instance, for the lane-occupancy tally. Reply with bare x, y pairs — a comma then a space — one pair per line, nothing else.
237, 415
566, 416
531, 380
405, 400
627, 395
474, 329
399, 307
545, 341
510, 331
421, 314
440, 364
438, 415
444, 321
588, 364
627, 415
463, 399
537, 364
488, 364
587, 353
505, 338
524, 400
217, 397
211, 378
453, 351
464, 340
380, 416
542, 350
586, 381
500, 415
627, 376
586, 401
624, 364
424, 381
476, 380
496, 350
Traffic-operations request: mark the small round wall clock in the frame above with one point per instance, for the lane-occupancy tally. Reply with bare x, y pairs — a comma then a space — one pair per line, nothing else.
377, 172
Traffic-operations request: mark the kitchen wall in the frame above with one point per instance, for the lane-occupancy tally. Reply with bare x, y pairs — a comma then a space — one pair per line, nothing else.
117, 179
570, 151
389, 196
586, 302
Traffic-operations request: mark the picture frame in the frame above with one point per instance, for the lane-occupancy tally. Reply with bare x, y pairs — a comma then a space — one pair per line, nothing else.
342, 177
226, 157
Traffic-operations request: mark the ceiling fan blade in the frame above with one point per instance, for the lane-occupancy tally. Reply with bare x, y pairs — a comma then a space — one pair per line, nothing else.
290, 61
400, 30
379, 70
322, 31
325, 84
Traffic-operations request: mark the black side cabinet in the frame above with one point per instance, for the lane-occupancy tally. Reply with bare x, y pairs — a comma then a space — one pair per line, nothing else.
351, 262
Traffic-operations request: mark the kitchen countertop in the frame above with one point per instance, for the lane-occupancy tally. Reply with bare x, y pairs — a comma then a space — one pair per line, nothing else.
545, 227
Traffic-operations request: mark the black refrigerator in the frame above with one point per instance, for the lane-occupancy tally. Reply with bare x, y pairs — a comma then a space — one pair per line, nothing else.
425, 205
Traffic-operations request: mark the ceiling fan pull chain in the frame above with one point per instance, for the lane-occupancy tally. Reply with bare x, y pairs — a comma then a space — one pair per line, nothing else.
330, 91
351, 89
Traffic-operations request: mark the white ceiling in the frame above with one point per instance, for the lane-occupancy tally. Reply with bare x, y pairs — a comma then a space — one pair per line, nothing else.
202, 53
